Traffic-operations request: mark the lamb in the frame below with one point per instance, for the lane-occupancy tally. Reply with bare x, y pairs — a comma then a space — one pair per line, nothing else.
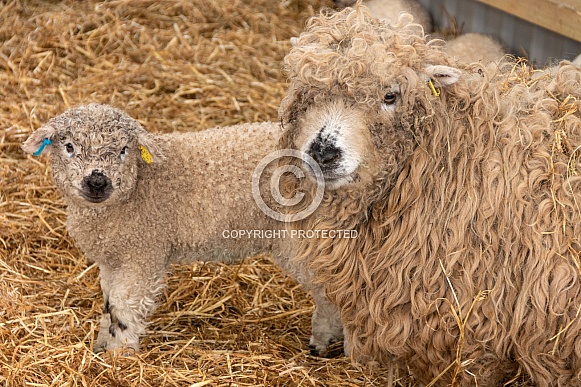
137, 202
463, 184
391, 9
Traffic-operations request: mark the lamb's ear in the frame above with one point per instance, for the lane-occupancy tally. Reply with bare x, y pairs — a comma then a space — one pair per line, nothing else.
39, 141
151, 151
443, 75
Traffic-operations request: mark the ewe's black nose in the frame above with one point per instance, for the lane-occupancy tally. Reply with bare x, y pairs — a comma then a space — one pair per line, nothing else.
97, 185
324, 152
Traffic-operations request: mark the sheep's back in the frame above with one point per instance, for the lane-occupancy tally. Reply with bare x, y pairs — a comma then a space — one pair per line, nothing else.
480, 249
190, 202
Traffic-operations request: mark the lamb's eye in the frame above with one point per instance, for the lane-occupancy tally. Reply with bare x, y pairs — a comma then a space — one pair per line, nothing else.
123, 151
389, 98
69, 148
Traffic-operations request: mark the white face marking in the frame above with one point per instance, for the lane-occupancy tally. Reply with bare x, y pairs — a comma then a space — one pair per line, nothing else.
338, 127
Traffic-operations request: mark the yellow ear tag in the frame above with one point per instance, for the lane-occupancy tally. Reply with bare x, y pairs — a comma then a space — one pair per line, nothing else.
145, 155
435, 91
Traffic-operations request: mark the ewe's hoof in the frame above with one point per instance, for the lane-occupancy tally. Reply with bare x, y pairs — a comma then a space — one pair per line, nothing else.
334, 349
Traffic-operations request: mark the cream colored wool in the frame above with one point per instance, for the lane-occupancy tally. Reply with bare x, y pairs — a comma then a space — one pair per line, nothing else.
175, 209
473, 47
390, 10
467, 204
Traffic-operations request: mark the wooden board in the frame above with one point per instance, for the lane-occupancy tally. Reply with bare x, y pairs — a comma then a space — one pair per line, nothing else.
561, 16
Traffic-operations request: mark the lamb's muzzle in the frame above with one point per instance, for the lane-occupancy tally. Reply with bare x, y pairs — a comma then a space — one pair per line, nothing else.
97, 187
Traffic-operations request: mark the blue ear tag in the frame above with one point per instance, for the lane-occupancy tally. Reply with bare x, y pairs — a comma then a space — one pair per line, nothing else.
45, 142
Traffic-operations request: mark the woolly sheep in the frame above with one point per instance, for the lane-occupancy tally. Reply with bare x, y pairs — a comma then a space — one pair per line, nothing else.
137, 202
391, 9
466, 48
463, 185
474, 47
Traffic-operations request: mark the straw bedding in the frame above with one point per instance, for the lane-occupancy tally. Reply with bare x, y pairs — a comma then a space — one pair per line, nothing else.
174, 66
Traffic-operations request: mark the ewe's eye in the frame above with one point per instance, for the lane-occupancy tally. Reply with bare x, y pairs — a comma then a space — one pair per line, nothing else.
389, 98
70, 148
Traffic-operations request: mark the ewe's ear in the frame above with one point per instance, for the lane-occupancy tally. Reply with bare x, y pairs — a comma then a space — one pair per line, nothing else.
151, 151
39, 141
443, 75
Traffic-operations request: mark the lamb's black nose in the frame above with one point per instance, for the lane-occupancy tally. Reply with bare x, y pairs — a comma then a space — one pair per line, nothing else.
97, 181
324, 152
97, 186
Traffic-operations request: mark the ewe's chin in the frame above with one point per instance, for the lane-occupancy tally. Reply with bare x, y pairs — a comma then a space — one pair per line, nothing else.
337, 177
336, 182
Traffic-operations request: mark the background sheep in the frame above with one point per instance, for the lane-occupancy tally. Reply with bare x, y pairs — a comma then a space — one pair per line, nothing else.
463, 186
473, 47
466, 48
137, 202
391, 9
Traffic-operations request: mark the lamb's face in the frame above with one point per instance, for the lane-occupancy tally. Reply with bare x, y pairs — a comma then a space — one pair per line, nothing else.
95, 154
94, 166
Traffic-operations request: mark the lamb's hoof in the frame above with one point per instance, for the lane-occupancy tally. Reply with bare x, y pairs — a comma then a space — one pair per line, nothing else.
120, 351
314, 351
334, 349
107, 343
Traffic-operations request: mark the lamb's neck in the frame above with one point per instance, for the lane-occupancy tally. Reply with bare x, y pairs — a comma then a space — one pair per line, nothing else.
88, 214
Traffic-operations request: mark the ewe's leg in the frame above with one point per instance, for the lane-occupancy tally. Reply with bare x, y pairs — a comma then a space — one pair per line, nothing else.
326, 325
129, 295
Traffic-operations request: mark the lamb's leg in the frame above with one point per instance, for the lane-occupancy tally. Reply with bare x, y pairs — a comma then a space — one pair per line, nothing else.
129, 295
326, 325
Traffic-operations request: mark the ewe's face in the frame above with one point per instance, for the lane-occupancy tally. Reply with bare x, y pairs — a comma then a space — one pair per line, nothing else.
94, 165
339, 135
361, 92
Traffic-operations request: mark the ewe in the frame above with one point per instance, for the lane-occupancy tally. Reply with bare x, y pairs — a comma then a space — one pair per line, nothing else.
464, 186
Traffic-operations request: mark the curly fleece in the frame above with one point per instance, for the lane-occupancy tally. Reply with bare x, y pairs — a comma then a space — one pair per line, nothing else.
466, 267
